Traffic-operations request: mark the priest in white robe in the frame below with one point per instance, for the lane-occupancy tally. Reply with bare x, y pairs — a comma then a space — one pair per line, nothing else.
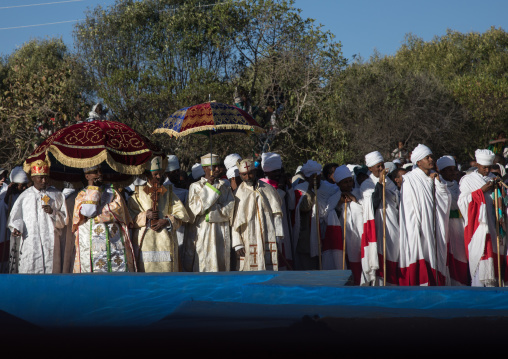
36, 221
232, 172
372, 240
350, 219
271, 163
100, 223
476, 203
257, 222
457, 259
311, 210
154, 234
8, 196
211, 202
424, 214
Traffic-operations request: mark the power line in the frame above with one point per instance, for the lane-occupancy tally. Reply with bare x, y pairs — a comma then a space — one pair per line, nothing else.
46, 3
48, 23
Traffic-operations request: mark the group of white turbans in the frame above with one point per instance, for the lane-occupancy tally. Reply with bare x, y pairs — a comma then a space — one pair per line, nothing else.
429, 229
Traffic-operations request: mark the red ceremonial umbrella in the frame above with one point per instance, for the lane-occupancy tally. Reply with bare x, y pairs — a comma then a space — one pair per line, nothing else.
209, 118
118, 147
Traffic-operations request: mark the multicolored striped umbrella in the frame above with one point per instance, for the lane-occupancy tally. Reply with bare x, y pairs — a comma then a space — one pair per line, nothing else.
209, 118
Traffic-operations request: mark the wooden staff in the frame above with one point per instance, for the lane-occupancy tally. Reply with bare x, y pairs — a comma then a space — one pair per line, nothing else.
317, 223
434, 223
384, 230
496, 198
344, 239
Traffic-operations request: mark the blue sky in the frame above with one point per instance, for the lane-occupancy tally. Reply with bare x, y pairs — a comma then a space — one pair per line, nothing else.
361, 25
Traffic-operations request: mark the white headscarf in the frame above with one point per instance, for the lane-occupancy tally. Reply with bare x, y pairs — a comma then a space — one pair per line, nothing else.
173, 163
484, 157
373, 158
419, 153
18, 175
230, 160
390, 166
341, 172
197, 171
233, 172
310, 168
270, 162
445, 161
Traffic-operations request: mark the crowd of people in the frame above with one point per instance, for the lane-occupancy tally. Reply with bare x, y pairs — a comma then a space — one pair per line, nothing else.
390, 223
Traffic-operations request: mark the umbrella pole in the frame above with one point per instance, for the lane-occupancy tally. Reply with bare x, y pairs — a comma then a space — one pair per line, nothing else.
211, 170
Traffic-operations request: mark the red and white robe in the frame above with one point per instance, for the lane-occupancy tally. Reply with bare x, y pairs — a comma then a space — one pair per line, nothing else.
333, 242
418, 238
457, 259
479, 230
372, 239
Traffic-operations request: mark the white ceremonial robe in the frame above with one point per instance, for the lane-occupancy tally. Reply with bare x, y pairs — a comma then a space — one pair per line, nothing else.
372, 261
208, 247
333, 243
39, 230
457, 259
417, 241
480, 244
256, 225
287, 202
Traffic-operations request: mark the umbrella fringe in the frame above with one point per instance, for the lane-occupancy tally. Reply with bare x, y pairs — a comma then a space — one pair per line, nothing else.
90, 162
246, 128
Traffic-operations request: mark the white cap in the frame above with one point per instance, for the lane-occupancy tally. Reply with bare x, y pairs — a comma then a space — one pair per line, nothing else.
419, 153
445, 161
270, 162
173, 163
373, 158
484, 157
197, 171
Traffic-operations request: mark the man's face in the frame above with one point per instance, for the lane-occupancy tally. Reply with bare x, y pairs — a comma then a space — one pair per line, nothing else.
311, 180
329, 177
273, 175
40, 182
95, 176
398, 179
449, 173
483, 170
248, 177
426, 164
346, 185
376, 169
2, 178
156, 177
212, 171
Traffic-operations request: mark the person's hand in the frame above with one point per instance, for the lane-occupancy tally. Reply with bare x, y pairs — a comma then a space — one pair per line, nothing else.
382, 175
435, 175
161, 223
240, 252
47, 208
150, 214
16, 233
488, 186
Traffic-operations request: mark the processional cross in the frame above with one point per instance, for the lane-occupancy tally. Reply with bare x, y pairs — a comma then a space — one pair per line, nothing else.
155, 192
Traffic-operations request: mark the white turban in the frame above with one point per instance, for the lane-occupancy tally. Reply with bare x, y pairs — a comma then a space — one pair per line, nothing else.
233, 172
373, 158
311, 168
397, 161
484, 157
419, 153
390, 166
298, 170
270, 162
197, 171
18, 175
445, 161
341, 172
173, 163
230, 160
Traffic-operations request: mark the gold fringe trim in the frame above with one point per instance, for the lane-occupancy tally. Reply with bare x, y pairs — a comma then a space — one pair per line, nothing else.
246, 128
96, 160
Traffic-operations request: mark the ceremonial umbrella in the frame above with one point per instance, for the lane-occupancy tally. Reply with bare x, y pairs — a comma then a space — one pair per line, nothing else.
209, 118
122, 151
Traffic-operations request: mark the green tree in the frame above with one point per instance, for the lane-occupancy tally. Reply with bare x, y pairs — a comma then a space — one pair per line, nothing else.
473, 67
42, 87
